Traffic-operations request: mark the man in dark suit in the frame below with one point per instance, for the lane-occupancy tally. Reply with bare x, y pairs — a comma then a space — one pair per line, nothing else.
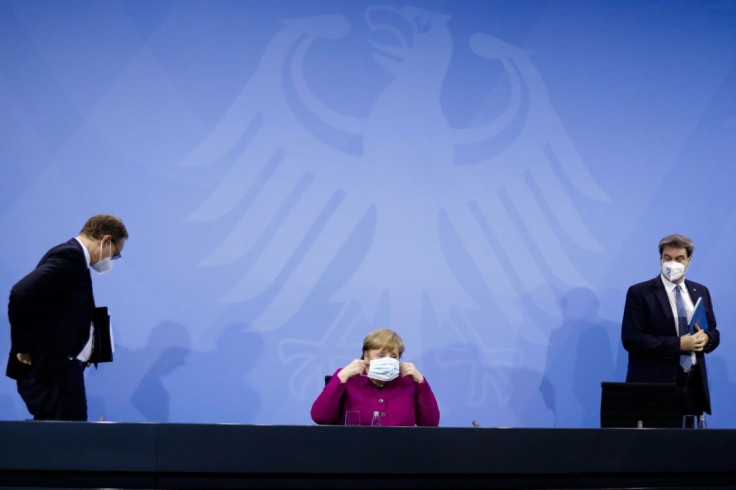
654, 328
50, 312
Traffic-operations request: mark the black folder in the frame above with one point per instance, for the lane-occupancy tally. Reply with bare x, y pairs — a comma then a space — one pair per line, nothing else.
103, 344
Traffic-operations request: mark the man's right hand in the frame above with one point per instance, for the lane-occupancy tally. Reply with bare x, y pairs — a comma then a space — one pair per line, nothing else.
23, 357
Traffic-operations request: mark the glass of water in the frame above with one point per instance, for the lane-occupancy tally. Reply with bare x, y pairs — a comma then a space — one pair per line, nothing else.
352, 417
694, 422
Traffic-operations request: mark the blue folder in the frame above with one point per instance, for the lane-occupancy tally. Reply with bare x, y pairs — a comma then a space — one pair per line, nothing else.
698, 317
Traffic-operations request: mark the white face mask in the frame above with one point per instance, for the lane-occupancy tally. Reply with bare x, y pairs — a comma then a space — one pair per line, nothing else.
384, 369
103, 265
673, 270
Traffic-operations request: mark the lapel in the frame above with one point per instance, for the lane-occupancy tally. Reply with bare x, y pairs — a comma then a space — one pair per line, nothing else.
664, 300
695, 292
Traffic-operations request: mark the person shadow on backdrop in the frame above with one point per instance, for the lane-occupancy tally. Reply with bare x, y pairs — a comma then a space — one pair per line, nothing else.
211, 387
579, 357
150, 397
139, 373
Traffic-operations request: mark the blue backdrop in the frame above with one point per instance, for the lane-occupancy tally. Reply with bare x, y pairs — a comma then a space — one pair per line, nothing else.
485, 177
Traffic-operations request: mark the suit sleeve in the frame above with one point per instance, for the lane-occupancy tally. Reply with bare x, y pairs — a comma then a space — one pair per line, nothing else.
642, 331
327, 407
427, 411
713, 333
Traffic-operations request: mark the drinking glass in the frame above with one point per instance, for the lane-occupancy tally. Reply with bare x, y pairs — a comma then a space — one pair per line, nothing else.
690, 422
352, 417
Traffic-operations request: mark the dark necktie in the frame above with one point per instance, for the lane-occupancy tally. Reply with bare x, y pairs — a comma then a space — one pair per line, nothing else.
686, 359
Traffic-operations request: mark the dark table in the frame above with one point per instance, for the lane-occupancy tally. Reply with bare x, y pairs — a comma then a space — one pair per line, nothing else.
125, 455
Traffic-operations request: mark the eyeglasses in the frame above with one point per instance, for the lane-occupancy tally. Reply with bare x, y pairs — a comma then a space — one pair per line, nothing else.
117, 254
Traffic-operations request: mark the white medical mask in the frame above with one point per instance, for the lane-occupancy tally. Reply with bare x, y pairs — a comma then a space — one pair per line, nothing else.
673, 270
384, 369
103, 265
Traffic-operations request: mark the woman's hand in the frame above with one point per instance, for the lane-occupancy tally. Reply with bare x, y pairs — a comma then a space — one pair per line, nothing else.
355, 368
409, 369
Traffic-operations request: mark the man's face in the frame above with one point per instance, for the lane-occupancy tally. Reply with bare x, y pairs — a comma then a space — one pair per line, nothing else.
117, 248
110, 248
675, 254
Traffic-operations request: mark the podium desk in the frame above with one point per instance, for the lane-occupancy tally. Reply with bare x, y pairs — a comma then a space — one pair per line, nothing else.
157, 455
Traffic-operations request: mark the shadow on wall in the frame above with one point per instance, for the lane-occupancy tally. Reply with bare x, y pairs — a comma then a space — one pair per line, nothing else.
484, 372
131, 389
211, 386
579, 357
151, 397
482, 384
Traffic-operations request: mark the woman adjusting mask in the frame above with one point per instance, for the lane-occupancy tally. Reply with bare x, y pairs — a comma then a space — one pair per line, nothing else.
378, 383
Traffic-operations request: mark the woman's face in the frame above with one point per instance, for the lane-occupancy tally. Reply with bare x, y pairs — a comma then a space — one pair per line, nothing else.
369, 355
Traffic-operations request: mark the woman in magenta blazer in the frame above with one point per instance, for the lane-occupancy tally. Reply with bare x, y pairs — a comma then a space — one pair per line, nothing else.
378, 382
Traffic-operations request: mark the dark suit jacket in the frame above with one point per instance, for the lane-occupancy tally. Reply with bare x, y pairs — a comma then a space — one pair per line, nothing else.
50, 311
649, 334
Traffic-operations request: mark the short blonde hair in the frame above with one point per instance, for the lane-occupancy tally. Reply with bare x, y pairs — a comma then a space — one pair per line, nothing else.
383, 339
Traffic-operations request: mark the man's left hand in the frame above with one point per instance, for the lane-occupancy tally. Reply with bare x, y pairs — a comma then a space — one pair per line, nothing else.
700, 339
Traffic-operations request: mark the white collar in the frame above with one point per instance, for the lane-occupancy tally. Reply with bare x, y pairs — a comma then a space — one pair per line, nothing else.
669, 285
86, 252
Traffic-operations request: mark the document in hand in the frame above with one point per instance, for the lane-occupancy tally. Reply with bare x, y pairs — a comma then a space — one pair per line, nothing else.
104, 344
698, 317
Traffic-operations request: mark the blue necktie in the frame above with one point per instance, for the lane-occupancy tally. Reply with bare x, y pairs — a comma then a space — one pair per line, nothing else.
686, 360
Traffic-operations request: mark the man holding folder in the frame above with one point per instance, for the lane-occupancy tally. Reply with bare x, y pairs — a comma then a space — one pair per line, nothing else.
662, 347
51, 312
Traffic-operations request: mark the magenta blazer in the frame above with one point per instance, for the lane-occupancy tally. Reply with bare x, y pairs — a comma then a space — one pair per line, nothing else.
400, 402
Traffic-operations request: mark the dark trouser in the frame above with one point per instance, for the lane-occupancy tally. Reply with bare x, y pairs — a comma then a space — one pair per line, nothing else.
692, 394
61, 398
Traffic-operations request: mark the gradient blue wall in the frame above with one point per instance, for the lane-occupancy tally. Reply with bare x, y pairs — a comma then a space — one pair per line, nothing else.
485, 177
